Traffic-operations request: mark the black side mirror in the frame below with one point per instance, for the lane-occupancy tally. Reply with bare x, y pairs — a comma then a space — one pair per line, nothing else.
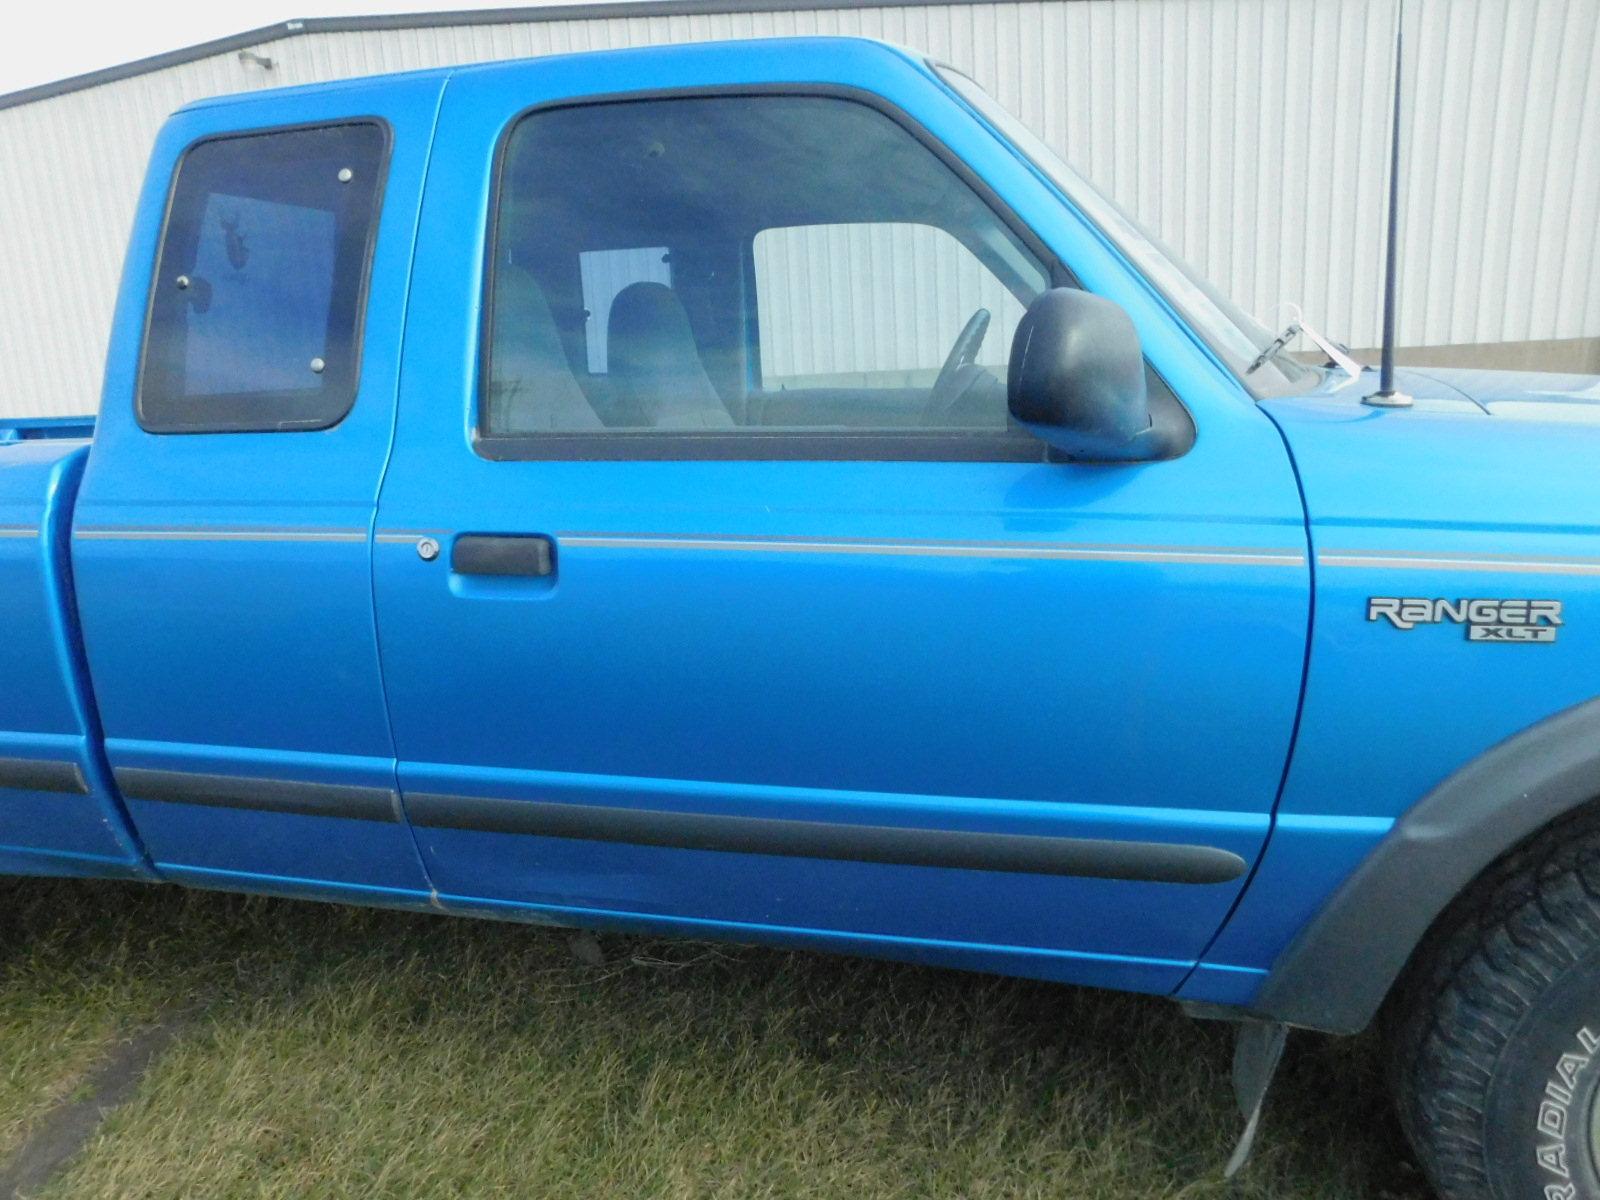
1077, 380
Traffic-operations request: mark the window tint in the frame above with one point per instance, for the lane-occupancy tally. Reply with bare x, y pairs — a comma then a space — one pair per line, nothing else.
255, 316
728, 266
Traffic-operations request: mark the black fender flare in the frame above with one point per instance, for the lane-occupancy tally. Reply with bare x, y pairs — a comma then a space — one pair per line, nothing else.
1337, 971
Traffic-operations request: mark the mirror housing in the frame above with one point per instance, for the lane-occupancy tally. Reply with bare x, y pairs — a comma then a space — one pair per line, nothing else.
1077, 380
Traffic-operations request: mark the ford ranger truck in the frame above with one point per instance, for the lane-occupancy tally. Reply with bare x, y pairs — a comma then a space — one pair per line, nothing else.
759, 492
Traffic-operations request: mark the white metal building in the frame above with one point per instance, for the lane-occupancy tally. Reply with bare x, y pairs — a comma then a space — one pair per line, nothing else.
1251, 134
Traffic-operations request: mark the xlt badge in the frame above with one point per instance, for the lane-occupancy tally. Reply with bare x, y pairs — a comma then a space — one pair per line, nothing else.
1485, 620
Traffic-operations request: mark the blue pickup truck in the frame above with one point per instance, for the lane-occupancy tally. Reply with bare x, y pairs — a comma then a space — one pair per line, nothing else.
760, 492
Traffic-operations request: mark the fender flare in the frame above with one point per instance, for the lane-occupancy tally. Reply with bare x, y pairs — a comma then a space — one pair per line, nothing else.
1336, 973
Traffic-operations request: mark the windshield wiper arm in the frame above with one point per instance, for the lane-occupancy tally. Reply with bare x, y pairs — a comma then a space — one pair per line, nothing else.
1275, 347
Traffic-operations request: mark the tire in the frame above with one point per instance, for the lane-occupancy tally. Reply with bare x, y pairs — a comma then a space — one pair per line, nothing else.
1494, 1032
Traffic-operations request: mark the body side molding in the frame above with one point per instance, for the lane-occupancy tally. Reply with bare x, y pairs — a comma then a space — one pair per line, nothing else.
1336, 973
42, 775
351, 801
1151, 862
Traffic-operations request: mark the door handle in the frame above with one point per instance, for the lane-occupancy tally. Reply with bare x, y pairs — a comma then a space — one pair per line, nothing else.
529, 554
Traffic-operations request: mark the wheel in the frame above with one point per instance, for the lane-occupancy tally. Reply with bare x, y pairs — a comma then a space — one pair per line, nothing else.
1494, 1032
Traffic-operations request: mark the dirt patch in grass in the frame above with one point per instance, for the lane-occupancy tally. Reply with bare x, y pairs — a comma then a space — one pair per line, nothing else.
350, 1052
71, 984
59, 1134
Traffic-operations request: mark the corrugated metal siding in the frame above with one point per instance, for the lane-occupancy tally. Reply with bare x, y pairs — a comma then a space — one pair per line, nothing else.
841, 304
1249, 133
605, 273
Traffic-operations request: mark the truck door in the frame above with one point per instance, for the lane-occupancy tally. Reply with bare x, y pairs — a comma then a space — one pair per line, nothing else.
221, 544
716, 592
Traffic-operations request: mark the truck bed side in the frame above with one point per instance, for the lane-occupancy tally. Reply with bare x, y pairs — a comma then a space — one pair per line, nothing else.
59, 814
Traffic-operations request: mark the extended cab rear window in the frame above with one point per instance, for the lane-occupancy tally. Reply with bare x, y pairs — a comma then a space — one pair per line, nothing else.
256, 308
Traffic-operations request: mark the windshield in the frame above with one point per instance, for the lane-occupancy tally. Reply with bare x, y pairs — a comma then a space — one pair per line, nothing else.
1236, 337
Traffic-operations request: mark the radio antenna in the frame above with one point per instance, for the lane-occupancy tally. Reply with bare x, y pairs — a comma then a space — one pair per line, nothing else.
1387, 396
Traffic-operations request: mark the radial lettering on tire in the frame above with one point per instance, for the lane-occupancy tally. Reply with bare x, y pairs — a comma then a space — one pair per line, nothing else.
1555, 1118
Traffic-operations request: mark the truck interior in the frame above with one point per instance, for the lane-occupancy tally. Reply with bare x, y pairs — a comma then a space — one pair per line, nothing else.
717, 262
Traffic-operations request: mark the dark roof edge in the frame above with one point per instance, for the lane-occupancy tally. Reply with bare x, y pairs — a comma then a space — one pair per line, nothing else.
156, 62
428, 20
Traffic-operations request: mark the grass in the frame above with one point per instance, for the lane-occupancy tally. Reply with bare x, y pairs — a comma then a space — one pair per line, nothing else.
350, 1052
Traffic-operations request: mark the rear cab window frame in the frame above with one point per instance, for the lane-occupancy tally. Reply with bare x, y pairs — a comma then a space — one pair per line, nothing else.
748, 443
262, 411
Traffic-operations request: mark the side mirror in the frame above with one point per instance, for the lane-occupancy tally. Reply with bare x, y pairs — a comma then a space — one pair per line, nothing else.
1077, 381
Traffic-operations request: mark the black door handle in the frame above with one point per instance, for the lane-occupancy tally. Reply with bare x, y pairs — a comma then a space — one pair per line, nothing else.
503, 554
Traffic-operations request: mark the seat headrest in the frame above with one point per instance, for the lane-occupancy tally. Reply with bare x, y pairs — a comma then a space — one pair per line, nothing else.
653, 361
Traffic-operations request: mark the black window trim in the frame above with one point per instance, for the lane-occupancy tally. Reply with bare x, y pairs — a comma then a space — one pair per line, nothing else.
242, 423
747, 446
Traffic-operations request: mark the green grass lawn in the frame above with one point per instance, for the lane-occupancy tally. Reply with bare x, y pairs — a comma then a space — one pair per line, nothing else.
350, 1052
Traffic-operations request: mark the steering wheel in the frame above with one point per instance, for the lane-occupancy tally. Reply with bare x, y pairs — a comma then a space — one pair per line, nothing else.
963, 353
965, 350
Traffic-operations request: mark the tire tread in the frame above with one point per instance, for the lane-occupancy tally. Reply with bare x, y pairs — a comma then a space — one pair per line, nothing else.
1477, 975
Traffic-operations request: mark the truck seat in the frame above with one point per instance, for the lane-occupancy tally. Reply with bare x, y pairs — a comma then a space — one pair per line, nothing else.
531, 385
655, 366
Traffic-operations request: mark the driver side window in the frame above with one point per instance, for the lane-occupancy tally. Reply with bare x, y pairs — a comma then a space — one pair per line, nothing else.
798, 267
